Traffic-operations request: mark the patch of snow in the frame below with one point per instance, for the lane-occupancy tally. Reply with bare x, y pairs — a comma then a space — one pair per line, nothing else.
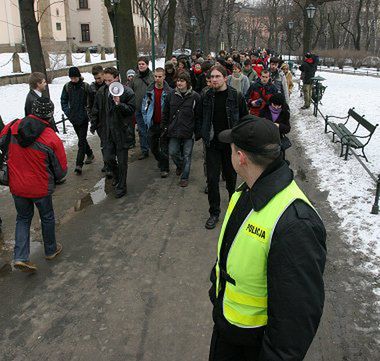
351, 190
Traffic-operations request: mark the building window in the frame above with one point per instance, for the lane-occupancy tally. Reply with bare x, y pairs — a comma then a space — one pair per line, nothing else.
85, 30
58, 26
83, 4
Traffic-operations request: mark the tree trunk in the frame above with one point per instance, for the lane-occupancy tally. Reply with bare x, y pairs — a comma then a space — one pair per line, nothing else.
32, 37
125, 43
171, 28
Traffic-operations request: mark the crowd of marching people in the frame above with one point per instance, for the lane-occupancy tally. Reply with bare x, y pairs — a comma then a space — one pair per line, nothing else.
267, 283
172, 107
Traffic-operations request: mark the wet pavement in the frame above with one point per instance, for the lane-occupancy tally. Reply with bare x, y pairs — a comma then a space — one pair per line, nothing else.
132, 280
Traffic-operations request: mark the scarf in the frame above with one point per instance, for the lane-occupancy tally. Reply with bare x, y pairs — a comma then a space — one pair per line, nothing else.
236, 82
275, 113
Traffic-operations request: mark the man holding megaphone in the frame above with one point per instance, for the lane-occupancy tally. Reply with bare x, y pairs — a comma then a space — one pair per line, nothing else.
113, 111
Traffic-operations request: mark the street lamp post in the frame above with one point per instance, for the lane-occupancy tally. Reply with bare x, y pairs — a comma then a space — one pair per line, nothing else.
114, 4
310, 12
193, 23
291, 26
152, 34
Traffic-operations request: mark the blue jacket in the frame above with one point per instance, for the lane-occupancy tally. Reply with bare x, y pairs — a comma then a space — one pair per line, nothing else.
147, 106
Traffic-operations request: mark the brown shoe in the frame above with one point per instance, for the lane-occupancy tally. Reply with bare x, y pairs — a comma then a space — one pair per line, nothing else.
178, 171
56, 253
183, 183
25, 266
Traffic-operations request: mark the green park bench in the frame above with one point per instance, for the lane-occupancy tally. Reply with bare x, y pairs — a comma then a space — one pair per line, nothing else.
346, 137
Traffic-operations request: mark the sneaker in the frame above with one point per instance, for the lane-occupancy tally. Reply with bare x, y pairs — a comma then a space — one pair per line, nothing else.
183, 183
90, 159
56, 253
25, 266
305, 107
164, 174
78, 170
143, 155
211, 222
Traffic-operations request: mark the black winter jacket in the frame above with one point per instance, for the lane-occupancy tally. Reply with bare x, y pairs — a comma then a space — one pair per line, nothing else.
114, 122
30, 98
283, 119
75, 101
236, 108
295, 269
308, 72
181, 114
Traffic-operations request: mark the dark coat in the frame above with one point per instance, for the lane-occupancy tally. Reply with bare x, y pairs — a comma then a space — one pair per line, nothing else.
295, 267
114, 122
257, 91
282, 120
169, 78
94, 87
198, 81
181, 114
75, 102
308, 72
30, 98
236, 108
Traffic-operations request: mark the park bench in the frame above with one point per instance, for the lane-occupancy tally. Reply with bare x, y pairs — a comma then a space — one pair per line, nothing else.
347, 138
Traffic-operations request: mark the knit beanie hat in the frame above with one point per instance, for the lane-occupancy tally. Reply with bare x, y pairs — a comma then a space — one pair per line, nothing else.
43, 108
169, 64
131, 72
74, 72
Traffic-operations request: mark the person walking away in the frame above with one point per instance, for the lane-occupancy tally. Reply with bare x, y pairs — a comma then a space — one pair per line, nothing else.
279, 113
248, 71
308, 69
267, 284
116, 114
259, 93
181, 120
222, 107
238, 80
288, 76
36, 159
139, 84
278, 78
75, 104
152, 106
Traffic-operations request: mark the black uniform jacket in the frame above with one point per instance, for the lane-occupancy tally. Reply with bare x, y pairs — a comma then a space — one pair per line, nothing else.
295, 268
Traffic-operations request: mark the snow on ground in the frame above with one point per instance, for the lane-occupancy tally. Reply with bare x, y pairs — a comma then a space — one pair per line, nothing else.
351, 190
57, 61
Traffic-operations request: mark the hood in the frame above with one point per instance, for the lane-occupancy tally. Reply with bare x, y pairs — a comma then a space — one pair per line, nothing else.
29, 130
166, 87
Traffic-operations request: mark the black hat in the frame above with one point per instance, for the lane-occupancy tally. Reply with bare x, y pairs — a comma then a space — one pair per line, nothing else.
277, 99
74, 72
252, 135
43, 108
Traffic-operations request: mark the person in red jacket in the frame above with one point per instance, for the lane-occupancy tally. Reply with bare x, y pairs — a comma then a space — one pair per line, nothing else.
36, 160
259, 93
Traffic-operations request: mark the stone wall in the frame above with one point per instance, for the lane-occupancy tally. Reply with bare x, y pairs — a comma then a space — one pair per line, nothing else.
24, 78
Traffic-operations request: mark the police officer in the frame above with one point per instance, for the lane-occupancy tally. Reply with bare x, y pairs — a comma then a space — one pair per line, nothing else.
267, 287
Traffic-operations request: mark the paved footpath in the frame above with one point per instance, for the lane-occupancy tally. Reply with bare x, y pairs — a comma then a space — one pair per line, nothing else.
132, 281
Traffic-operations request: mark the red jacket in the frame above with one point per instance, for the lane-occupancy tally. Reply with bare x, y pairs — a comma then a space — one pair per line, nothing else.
259, 91
36, 157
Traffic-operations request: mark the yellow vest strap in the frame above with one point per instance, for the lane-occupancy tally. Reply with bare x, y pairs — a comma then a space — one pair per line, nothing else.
245, 299
245, 320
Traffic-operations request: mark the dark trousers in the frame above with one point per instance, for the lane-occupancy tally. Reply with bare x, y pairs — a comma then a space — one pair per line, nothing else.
25, 212
159, 147
219, 158
83, 146
222, 350
116, 160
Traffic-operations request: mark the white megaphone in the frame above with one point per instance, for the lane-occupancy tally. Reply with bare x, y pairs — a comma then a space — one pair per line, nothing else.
116, 89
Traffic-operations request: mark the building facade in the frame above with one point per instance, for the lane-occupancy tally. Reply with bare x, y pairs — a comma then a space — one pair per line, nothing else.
66, 24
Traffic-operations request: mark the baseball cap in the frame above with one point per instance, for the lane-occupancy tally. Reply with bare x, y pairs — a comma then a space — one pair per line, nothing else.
253, 134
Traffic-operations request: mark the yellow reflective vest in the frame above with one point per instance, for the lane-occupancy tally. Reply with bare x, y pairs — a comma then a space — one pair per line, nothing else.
245, 297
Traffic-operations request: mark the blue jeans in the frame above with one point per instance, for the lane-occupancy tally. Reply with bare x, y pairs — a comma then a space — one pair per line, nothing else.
25, 212
180, 150
143, 132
